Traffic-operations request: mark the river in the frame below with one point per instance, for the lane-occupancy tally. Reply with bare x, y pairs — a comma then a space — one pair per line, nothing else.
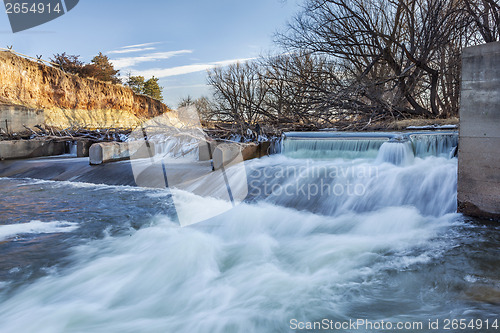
318, 240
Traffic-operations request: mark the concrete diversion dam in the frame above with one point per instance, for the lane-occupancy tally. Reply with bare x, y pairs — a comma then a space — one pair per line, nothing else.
377, 239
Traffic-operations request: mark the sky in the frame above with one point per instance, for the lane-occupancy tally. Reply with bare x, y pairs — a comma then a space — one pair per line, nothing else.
174, 40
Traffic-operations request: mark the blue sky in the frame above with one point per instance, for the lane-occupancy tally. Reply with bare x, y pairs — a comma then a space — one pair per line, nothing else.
173, 40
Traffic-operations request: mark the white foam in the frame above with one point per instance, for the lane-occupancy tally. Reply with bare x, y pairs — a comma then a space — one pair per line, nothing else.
256, 266
78, 184
470, 278
255, 270
35, 227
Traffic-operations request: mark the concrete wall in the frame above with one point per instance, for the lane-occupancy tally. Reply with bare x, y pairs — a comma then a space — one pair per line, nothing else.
12, 118
479, 143
30, 148
224, 154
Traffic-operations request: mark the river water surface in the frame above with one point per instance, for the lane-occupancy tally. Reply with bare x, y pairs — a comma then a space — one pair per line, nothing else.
337, 239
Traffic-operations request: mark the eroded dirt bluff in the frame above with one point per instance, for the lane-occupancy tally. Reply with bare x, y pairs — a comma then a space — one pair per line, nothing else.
31, 92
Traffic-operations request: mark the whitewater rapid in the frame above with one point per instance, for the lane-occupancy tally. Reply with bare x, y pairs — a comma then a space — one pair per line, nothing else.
393, 252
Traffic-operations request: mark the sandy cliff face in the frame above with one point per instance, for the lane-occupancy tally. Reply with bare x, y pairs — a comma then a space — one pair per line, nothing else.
68, 100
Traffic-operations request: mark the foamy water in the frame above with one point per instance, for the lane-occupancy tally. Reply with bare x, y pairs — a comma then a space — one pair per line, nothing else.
261, 267
35, 227
396, 252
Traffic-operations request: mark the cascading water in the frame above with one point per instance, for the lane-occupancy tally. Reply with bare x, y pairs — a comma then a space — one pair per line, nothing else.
373, 238
276, 145
175, 146
434, 144
398, 153
324, 145
71, 148
336, 148
360, 186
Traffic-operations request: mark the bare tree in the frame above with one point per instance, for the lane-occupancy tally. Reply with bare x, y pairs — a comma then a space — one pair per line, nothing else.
486, 17
186, 101
204, 106
240, 93
391, 49
300, 88
358, 59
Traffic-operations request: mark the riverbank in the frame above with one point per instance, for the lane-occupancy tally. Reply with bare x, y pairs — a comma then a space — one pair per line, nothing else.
33, 93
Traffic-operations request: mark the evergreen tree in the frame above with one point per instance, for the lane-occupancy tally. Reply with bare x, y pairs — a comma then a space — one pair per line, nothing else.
136, 83
187, 101
101, 69
153, 89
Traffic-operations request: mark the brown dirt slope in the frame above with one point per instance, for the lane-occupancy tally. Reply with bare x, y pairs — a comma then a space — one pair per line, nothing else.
69, 100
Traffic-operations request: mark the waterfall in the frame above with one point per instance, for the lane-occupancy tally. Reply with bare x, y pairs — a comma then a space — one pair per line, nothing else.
431, 144
397, 153
71, 148
176, 146
335, 187
324, 145
335, 148
276, 145
396, 148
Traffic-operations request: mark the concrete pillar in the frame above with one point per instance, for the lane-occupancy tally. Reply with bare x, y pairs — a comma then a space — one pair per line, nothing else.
479, 140
225, 154
264, 148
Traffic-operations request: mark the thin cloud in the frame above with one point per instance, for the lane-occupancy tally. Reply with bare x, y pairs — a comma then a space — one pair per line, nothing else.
121, 63
141, 45
130, 50
187, 69
186, 86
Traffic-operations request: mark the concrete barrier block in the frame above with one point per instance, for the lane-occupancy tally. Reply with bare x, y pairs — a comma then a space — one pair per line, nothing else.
105, 152
96, 155
206, 150
264, 148
250, 151
141, 149
19, 149
227, 154
83, 147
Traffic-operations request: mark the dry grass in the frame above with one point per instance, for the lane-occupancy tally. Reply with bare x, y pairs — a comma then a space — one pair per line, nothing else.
399, 125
